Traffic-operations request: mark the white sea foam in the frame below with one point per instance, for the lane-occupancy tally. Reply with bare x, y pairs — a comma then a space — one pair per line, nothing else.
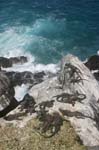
20, 91
98, 52
21, 40
33, 68
13, 43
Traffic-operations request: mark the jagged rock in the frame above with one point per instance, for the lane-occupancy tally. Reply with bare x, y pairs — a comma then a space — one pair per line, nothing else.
15, 78
80, 106
93, 62
18, 78
5, 62
8, 62
20, 59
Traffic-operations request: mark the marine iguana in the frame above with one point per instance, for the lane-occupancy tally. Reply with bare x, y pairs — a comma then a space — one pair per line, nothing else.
45, 104
50, 125
74, 74
70, 98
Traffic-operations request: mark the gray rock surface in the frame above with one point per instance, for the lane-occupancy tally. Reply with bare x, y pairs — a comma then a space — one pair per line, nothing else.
76, 94
4, 88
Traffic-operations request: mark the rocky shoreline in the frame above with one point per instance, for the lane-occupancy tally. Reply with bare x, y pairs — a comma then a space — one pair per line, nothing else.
69, 95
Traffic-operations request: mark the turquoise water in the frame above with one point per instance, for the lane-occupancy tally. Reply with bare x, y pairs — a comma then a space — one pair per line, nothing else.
47, 29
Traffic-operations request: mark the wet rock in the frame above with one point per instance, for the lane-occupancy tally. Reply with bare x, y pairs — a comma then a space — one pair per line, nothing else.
96, 75
39, 75
8, 62
5, 62
15, 78
18, 78
16, 60
28, 77
93, 62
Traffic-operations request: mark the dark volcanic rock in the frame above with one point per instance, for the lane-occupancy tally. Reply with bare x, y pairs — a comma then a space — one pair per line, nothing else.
93, 62
14, 77
18, 78
96, 75
28, 77
5, 62
8, 62
21, 60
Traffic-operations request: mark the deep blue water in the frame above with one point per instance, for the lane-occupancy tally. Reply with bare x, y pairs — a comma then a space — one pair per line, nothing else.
49, 29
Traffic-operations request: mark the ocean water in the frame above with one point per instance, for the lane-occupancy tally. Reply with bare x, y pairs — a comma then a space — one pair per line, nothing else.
46, 30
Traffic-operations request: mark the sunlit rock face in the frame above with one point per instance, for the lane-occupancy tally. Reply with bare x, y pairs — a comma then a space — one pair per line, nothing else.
76, 93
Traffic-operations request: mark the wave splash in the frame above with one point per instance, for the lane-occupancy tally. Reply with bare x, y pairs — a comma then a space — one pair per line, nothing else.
25, 41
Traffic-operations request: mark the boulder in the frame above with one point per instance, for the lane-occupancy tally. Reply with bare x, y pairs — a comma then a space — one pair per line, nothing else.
93, 62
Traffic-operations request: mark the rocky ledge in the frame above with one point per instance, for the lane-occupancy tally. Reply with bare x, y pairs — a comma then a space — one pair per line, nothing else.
70, 95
